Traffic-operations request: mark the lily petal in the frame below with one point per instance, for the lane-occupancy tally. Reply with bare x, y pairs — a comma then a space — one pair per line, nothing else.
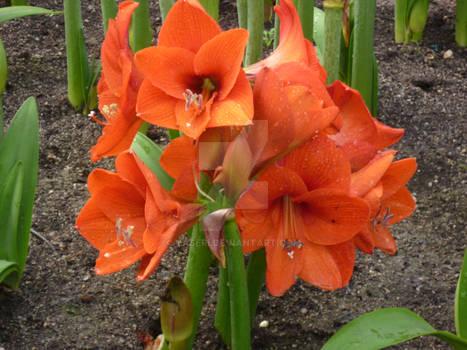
331, 216
187, 25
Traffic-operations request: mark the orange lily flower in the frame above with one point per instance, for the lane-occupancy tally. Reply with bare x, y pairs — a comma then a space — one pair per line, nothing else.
118, 87
360, 136
287, 114
130, 216
300, 210
382, 184
293, 47
194, 78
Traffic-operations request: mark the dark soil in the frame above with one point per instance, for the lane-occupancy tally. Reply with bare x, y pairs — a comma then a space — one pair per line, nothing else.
62, 304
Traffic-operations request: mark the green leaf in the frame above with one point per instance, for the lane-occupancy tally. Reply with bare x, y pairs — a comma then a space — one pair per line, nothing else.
149, 153
9, 272
3, 70
318, 32
12, 12
460, 308
10, 203
21, 143
386, 327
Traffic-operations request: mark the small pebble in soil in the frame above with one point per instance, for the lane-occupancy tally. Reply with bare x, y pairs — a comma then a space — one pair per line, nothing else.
303, 310
264, 324
447, 54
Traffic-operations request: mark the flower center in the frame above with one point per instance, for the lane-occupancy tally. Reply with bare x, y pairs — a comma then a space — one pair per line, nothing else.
290, 228
384, 220
198, 99
125, 233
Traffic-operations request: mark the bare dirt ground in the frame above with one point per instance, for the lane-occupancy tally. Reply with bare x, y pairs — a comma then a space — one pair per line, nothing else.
61, 304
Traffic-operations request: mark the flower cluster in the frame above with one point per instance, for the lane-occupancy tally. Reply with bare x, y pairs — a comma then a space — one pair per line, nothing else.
303, 164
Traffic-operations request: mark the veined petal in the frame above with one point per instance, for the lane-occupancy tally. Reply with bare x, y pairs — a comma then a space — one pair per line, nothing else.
116, 138
387, 136
364, 240
115, 41
327, 267
320, 164
331, 216
93, 225
115, 257
168, 68
282, 181
220, 59
292, 45
281, 267
191, 121
155, 106
300, 74
179, 153
100, 178
397, 176
313, 61
357, 120
401, 205
188, 26
120, 201
236, 108
128, 170
384, 240
363, 180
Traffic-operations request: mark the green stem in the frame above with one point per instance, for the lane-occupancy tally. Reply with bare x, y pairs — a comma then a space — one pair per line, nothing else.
332, 41
306, 12
222, 320
77, 63
400, 20
181, 345
362, 56
164, 6
211, 7
242, 12
254, 49
196, 274
141, 32
277, 28
255, 276
236, 275
461, 22
109, 10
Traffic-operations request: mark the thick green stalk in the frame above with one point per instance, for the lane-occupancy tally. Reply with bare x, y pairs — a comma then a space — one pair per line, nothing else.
77, 63
362, 58
305, 10
461, 22
332, 40
400, 20
211, 7
164, 6
242, 12
277, 28
236, 275
255, 276
141, 32
109, 10
196, 274
222, 320
254, 49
